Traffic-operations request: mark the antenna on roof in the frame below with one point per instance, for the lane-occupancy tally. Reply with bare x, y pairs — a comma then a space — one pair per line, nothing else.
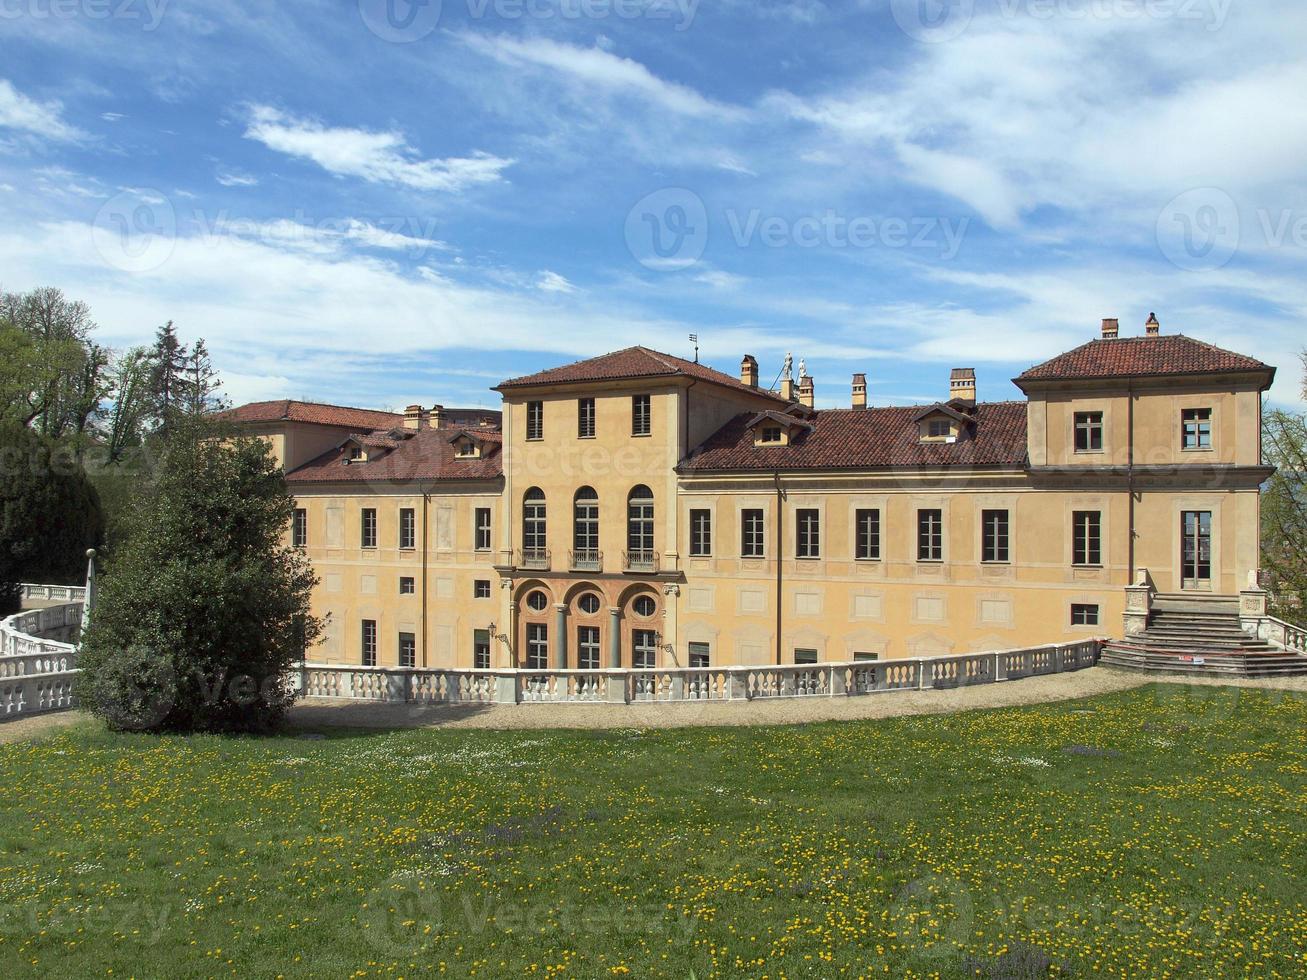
694, 339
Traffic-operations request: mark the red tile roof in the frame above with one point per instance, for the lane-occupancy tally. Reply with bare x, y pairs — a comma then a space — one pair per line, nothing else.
427, 455
870, 439
316, 413
1128, 357
633, 362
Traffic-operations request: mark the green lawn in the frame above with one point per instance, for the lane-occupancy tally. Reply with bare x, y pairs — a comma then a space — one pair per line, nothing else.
1161, 832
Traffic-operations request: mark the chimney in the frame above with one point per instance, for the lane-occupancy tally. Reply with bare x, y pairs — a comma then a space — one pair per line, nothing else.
962, 385
1152, 327
859, 391
749, 371
438, 419
413, 417
807, 390
1111, 328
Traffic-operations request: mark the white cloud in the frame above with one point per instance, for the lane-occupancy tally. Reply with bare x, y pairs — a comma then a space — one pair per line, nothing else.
596, 68
233, 179
377, 157
111, 117
43, 119
552, 282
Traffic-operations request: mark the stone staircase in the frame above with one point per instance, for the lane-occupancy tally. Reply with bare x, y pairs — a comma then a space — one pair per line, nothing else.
1189, 634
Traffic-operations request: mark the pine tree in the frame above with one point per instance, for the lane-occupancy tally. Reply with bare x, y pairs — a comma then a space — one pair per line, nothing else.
167, 380
201, 383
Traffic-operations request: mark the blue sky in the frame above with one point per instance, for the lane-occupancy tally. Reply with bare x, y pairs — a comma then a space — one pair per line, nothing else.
378, 203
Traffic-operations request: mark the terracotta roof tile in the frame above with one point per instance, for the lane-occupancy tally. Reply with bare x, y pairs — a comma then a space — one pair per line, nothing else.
317, 413
633, 362
1141, 357
870, 439
428, 455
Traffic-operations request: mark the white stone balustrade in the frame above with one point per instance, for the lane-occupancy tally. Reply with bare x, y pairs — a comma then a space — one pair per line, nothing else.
32, 592
687, 684
36, 670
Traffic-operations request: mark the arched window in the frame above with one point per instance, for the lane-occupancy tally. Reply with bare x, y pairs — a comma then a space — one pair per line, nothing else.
585, 529
533, 522
640, 523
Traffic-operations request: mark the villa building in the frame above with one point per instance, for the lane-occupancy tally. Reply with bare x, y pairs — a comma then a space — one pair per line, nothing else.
639, 510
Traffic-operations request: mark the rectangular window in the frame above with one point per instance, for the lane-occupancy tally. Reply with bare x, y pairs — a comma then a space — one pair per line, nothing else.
641, 416
481, 589
700, 533
1086, 538
753, 539
408, 646
699, 655
930, 535
407, 528
537, 646
407, 586
802, 656
866, 657
808, 534
1196, 550
770, 433
482, 529
1089, 432
535, 421
939, 428
993, 536
644, 653
585, 418
369, 643
1196, 428
481, 649
1083, 614
368, 536
587, 648
867, 532
299, 528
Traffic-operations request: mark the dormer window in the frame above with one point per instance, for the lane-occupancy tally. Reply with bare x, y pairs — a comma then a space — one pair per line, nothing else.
770, 434
355, 454
467, 448
939, 429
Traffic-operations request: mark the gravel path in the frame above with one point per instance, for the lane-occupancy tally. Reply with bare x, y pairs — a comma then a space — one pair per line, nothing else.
318, 713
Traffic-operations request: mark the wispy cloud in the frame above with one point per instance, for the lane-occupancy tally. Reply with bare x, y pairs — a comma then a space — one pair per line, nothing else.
233, 179
382, 157
552, 282
43, 119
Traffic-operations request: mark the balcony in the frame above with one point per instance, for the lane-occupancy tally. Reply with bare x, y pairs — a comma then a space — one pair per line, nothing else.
641, 562
587, 560
536, 559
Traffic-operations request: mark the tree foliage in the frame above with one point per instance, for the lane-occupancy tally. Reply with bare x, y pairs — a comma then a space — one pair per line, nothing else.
1284, 513
205, 608
49, 511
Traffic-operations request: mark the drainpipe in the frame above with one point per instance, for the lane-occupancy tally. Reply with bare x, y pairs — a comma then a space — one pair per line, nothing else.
1130, 475
780, 554
426, 501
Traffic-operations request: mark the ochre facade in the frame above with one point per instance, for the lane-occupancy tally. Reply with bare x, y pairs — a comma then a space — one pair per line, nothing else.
640, 510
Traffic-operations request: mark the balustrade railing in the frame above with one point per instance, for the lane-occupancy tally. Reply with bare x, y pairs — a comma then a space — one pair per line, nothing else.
587, 560
689, 684
536, 559
53, 593
640, 561
1286, 635
36, 671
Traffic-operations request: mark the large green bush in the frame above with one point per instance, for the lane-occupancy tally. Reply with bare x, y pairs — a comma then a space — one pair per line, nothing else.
204, 608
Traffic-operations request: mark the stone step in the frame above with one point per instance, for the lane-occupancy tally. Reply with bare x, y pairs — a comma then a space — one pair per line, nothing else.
1252, 665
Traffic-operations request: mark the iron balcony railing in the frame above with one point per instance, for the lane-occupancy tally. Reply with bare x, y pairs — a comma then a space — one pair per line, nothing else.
587, 560
640, 561
537, 558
